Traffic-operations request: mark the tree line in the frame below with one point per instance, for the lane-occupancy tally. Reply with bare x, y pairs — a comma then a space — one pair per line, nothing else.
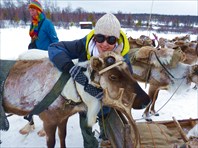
17, 14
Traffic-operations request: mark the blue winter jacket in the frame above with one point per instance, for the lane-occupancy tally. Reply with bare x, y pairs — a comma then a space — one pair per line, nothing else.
62, 53
47, 35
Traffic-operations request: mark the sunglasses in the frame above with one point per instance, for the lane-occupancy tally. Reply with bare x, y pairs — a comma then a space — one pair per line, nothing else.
101, 38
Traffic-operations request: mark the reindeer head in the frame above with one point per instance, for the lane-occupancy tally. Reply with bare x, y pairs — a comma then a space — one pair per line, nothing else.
116, 80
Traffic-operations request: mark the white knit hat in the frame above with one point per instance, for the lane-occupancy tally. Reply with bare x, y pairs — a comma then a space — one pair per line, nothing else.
108, 25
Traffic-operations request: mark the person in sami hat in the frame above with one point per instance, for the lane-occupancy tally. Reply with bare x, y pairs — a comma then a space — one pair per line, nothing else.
42, 31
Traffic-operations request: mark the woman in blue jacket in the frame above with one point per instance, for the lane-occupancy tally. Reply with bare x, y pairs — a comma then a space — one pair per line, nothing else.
42, 31
107, 35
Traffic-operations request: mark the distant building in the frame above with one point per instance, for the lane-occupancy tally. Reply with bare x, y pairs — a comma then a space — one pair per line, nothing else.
86, 25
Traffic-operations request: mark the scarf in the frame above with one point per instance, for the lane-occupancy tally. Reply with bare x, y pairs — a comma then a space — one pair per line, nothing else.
34, 26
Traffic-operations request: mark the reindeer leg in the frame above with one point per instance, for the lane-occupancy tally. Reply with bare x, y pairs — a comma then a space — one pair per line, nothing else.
62, 132
153, 93
50, 130
146, 114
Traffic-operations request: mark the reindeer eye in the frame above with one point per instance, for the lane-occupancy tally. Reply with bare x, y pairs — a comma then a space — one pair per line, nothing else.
110, 60
113, 77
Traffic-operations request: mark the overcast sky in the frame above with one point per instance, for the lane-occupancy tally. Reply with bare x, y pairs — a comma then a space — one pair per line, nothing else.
175, 7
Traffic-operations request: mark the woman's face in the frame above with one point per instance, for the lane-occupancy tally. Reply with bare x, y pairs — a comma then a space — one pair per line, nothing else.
33, 12
103, 45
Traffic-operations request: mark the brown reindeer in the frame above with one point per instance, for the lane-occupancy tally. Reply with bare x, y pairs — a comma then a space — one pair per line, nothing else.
154, 67
30, 80
189, 48
184, 43
140, 42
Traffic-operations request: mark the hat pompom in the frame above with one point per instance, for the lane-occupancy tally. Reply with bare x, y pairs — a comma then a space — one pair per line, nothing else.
36, 5
108, 25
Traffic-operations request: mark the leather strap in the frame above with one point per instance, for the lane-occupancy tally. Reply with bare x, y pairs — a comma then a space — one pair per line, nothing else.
51, 96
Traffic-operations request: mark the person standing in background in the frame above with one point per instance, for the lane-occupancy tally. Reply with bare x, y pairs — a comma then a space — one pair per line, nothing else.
42, 31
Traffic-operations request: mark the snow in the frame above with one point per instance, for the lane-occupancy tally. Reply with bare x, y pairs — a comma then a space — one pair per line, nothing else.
14, 41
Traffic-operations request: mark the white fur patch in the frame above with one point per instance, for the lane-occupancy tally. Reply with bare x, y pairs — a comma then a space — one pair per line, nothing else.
70, 92
33, 54
164, 54
193, 132
93, 104
179, 73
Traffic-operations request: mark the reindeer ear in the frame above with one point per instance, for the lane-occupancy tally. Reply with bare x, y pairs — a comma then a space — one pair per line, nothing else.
96, 63
119, 49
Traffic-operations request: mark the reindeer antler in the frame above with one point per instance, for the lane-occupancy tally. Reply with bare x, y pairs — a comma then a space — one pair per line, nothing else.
124, 108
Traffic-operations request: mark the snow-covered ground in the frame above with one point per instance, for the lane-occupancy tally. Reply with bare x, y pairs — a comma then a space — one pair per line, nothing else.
14, 41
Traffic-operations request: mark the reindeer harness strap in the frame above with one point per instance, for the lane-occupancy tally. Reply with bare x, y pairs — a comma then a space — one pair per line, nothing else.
166, 68
110, 67
51, 96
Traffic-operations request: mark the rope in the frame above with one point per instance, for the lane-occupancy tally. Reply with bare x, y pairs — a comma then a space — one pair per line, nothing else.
166, 101
162, 132
165, 67
149, 20
154, 144
103, 122
172, 95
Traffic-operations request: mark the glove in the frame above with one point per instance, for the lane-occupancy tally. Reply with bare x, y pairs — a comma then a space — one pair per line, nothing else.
77, 74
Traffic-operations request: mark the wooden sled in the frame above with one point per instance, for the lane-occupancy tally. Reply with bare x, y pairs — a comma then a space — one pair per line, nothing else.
165, 134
